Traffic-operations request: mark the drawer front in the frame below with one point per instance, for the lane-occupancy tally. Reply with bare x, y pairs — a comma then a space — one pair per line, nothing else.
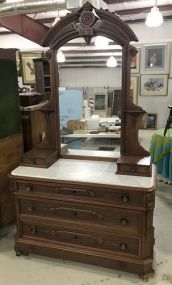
117, 197
124, 219
123, 245
135, 170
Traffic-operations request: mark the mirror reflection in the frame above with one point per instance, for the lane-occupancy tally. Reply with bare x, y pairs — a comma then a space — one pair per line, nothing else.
89, 96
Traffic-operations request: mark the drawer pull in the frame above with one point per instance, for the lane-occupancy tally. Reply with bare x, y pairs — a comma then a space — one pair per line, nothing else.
76, 192
123, 246
33, 230
124, 221
78, 212
29, 187
125, 198
30, 209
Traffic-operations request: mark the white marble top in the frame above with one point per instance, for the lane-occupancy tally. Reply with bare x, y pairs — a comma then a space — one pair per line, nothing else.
99, 172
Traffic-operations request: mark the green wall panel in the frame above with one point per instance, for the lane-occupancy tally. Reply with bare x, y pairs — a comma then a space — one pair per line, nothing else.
10, 118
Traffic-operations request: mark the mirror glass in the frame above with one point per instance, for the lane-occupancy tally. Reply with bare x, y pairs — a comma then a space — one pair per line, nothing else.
90, 79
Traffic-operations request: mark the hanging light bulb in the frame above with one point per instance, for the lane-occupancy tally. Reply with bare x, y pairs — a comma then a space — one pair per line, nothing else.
101, 42
60, 56
111, 62
154, 17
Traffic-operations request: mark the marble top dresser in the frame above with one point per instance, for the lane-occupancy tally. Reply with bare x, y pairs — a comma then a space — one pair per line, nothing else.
81, 210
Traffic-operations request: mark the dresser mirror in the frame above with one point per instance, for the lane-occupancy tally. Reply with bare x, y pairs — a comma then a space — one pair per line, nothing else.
90, 109
87, 23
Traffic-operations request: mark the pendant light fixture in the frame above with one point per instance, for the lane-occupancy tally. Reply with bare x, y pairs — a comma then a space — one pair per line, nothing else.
60, 56
111, 62
154, 17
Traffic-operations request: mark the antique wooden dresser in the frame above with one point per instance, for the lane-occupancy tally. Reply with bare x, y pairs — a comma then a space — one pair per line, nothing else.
81, 210
85, 210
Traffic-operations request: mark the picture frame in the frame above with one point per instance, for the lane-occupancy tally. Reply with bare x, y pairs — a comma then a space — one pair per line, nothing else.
134, 81
18, 63
27, 64
154, 85
149, 121
155, 59
170, 71
135, 63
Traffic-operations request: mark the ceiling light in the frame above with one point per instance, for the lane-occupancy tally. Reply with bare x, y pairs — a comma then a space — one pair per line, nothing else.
154, 17
111, 62
101, 42
60, 56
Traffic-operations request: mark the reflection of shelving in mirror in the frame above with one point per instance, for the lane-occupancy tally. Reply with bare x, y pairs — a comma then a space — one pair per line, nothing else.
42, 75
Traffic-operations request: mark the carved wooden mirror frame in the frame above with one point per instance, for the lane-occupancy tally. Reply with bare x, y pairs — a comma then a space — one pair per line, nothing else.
89, 22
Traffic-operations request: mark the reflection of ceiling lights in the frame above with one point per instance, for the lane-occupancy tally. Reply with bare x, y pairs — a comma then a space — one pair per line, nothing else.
60, 56
101, 42
111, 62
154, 17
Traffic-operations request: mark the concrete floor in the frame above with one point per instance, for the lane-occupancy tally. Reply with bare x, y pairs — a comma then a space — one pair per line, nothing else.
37, 270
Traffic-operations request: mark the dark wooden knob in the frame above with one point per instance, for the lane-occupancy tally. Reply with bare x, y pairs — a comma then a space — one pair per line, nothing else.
125, 198
29, 187
124, 221
33, 230
123, 246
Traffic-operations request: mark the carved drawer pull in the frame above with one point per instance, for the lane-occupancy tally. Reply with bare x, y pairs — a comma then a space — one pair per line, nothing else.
76, 212
74, 235
125, 198
77, 192
124, 221
33, 230
123, 246
29, 187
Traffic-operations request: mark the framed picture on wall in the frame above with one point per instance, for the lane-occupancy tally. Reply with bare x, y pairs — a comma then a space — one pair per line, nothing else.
170, 72
155, 59
149, 121
135, 62
152, 121
28, 71
154, 85
134, 89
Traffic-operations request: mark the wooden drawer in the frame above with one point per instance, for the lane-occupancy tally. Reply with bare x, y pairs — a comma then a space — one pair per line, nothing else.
122, 219
117, 197
122, 245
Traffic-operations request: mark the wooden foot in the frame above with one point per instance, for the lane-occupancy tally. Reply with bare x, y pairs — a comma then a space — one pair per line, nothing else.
18, 253
145, 277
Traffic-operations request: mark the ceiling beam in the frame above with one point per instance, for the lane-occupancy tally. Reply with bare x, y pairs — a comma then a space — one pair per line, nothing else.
25, 27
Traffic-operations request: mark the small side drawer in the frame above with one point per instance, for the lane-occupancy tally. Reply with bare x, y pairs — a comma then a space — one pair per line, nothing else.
34, 187
120, 244
117, 197
123, 219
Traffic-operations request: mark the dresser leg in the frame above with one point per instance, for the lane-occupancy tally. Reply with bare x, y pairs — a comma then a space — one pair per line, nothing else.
18, 252
145, 277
